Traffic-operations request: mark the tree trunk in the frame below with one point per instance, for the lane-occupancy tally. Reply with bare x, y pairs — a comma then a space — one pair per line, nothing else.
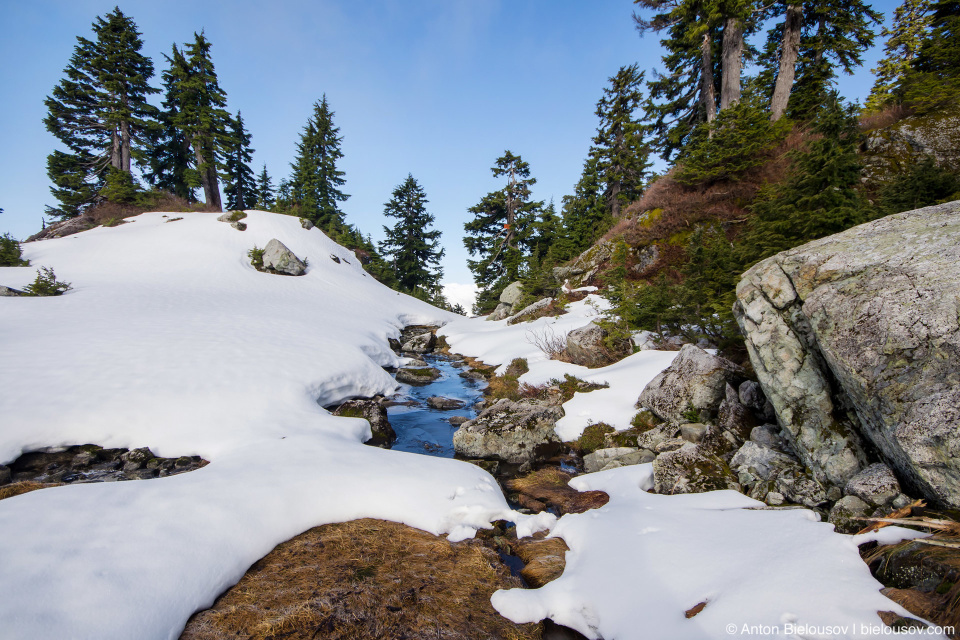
732, 62
115, 160
208, 178
789, 49
125, 146
708, 95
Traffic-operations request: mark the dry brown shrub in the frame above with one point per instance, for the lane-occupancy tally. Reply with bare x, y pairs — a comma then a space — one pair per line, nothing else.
365, 579
887, 117
19, 488
111, 213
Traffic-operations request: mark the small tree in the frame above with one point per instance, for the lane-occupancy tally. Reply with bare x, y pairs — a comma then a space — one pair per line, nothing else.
413, 250
265, 193
241, 188
316, 181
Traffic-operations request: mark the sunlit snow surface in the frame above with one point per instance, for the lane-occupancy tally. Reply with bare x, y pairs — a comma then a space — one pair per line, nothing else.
171, 340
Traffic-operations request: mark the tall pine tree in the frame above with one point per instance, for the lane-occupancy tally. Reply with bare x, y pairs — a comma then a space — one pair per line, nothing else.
99, 111
171, 156
933, 81
413, 250
316, 181
265, 194
241, 187
911, 21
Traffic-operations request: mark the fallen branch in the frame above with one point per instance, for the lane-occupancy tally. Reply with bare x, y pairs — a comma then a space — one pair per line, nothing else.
899, 513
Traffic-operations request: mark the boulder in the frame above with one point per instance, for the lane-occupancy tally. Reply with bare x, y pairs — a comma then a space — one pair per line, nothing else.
646, 257
695, 380
875, 485
761, 462
444, 404
500, 313
651, 438
512, 294
514, 432
457, 420
423, 343
306, 224
9, 291
418, 376
767, 435
279, 259
855, 336
593, 462
530, 311
693, 431
375, 413
735, 417
845, 514
585, 346
689, 470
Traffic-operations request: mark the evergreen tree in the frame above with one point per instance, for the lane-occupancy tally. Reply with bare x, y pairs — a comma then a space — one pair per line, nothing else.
923, 184
171, 156
622, 153
202, 118
911, 21
585, 215
500, 232
316, 181
99, 111
414, 251
265, 193
241, 187
933, 81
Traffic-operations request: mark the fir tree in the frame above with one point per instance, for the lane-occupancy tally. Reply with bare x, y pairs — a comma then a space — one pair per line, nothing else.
241, 187
933, 81
316, 181
265, 194
911, 21
99, 111
171, 156
622, 153
202, 118
414, 251
585, 216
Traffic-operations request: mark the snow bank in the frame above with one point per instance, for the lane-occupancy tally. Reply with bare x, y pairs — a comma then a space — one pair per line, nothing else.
636, 565
171, 340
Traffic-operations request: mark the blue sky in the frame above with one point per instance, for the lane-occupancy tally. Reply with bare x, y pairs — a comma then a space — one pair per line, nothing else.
436, 88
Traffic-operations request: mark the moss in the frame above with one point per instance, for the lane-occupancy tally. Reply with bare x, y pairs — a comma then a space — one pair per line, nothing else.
592, 438
428, 372
236, 216
646, 219
644, 421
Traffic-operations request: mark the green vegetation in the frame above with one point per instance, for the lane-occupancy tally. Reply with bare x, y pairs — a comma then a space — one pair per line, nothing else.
11, 253
256, 257
46, 284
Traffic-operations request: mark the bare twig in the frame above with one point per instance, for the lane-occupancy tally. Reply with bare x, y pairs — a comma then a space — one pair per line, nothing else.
545, 339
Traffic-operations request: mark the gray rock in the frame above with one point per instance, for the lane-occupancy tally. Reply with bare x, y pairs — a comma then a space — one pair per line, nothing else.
767, 435
306, 224
734, 417
414, 363
688, 470
650, 438
593, 462
512, 294
500, 313
670, 445
751, 396
529, 311
278, 258
444, 404
695, 379
371, 410
136, 458
774, 499
423, 343
457, 420
585, 346
561, 274
418, 376
856, 336
646, 257
693, 431
889, 149
763, 462
10, 292
875, 485
513, 432
845, 512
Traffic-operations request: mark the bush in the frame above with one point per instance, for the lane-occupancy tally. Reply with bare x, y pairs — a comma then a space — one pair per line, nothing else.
10, 252
256, 257
46, 284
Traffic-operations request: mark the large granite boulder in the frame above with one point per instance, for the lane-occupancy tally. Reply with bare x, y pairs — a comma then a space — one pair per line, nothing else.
502, 312
512, 294
855, 336
691, 470
588, 346
277, 258
695, 380
423, 343
513, 432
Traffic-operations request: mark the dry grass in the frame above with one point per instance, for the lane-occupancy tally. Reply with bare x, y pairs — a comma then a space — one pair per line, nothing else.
889, 116
19, 488
545, 559
942, 610
365, 579
549, 487
110, 213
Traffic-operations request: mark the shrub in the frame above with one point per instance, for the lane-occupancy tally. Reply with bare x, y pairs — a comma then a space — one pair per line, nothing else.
552, 345
46, 284
256, 257
592, 437
10, 252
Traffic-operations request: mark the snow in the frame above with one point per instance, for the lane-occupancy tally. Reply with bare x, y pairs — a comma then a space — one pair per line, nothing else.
636, 565
171, 340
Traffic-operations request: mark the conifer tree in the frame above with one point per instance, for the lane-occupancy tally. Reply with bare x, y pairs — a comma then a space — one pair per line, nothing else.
316, 181
933, 81
585, 216
99, 111
241, 187
171, 156
202, 118
265, 194
499, 234
911, 21
413, 250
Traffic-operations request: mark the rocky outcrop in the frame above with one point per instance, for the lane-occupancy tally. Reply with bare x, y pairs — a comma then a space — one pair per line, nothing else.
277, 258
234, 218
855, 336
513, 432
531, 311
892, 150
375, 413
587, 346
690, 470
694, 381
64, 228
508, 301
502, 312
586, 264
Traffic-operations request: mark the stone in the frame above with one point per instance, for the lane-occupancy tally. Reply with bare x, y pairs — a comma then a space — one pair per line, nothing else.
512, 294
593, 462
278, 258
500, 313
693, 431
650, 438
734, 417
751, 396
585, 346
767, 435
855, 337
843, 516
415, 363
423, 343
306, 224
695, 380
136, 458
10, 292
763, 461
417, 376
875, 485
774, 499
688, 470
444, 404
530, 311
457, 420
371, 410
646, 257
513, 432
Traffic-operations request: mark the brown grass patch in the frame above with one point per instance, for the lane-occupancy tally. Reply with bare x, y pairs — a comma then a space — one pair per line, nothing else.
887, 117
110, 213
19, 488
545, 559
365, 579
942, 610
549, 487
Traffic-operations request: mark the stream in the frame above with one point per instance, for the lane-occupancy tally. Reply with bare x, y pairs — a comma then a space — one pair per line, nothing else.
423, 429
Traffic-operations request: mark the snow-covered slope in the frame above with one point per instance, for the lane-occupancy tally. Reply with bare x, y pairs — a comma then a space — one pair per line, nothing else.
171, 340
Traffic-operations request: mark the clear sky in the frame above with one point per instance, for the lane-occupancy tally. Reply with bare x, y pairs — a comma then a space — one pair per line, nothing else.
436, 88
